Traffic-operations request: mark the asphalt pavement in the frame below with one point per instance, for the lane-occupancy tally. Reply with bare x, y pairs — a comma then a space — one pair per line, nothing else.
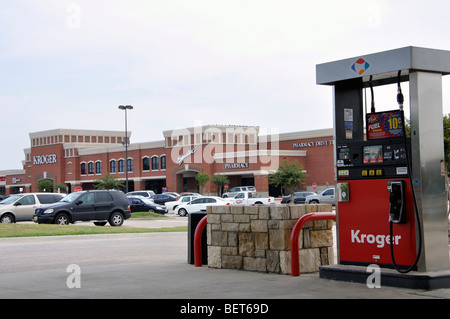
154, 266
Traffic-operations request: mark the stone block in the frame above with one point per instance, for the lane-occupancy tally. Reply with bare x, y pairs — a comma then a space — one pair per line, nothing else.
214, 256
220, 209
273, 261
255, 264
246, 244
226, 218
285, 262
309, 260
259, 226
232, 262
321, 238
244, 227
297, 211
263, 212
279, 212
219, 238
261, 240
251, 210
230, 226
280, 239
234, 209
241, 218
213, 218
232, 239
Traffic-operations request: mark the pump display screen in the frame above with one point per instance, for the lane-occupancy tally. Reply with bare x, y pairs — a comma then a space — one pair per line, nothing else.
373, 154
384, 125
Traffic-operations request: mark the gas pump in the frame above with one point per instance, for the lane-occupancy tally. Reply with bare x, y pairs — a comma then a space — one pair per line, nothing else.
392, 207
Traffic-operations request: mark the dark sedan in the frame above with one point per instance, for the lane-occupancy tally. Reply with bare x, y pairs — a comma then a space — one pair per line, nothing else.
299, 197
143, 204
165, 197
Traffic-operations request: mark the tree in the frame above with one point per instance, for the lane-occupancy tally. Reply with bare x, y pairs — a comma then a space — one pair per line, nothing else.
45, 185
109, 182
289, 175
447, 140
220, 180
202, 179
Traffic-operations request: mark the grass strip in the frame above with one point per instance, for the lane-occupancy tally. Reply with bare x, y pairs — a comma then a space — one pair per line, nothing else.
35, 230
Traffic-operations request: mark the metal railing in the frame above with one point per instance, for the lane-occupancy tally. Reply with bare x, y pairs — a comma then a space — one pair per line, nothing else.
198, 241
295, 263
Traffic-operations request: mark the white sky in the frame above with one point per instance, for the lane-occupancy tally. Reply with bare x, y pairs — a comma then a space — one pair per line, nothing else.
69, 64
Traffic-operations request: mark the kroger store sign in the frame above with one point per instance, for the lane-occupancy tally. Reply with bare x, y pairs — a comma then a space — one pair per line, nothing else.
44, 159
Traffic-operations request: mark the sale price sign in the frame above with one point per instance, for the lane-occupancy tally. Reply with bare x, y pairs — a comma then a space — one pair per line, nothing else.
385, 125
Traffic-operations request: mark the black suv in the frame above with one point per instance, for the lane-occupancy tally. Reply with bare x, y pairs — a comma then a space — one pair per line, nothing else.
99, 206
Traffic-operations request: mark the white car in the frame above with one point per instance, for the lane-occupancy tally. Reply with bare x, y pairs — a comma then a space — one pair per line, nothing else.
172, 205
200, 204
21, 207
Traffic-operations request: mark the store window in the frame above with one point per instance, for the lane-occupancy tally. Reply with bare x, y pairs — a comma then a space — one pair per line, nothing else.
83, 168
130, 165
113, 166
155, 163
98, 167
145, 164
91, 168
163, 162
121, 163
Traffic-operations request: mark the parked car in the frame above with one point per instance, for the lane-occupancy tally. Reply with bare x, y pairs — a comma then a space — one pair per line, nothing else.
163, 198
148, 194
233, 191
144, 204
249, 198
20, 207
325, 197
190, 194
200, 204
299, 197
182, 200
100, 206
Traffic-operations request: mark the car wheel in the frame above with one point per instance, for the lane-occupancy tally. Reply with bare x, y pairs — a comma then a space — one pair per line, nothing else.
7, 219
116, 219
99, 223
182, 212
61, 219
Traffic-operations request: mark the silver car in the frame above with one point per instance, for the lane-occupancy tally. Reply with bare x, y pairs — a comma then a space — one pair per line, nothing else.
326, 197
21, 207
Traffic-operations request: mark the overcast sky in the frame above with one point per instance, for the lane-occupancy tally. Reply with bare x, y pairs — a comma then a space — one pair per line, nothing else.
69, 64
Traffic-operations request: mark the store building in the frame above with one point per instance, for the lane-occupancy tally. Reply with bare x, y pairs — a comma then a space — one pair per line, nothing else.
245, 154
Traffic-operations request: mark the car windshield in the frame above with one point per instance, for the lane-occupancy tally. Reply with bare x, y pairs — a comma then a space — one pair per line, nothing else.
147, 200
71, 197
11, 199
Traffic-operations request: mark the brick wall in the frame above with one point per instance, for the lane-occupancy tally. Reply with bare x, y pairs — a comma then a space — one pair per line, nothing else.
257, 238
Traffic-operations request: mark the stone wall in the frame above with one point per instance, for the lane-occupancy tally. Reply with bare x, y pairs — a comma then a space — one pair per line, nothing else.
257, 238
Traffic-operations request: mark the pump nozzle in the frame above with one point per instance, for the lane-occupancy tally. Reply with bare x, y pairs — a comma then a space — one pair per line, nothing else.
400, 98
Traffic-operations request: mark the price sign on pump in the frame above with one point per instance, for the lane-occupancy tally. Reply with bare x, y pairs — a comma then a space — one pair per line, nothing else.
385, 125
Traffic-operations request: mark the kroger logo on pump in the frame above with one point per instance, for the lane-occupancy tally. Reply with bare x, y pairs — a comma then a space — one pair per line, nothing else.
379, 240
360, 66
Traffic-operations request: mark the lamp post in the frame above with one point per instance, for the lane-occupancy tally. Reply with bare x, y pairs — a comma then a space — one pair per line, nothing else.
126, 107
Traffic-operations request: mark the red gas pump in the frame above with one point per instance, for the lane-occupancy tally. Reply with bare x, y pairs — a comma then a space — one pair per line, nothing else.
392, 204
381, 212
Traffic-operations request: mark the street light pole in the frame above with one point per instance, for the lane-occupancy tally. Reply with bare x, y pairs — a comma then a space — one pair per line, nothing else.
126, 107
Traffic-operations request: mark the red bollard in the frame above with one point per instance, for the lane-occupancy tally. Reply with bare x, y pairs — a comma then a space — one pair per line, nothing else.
198, 242
295, 264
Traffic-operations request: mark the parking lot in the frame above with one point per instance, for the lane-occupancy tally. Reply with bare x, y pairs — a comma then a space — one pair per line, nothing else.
153, 265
